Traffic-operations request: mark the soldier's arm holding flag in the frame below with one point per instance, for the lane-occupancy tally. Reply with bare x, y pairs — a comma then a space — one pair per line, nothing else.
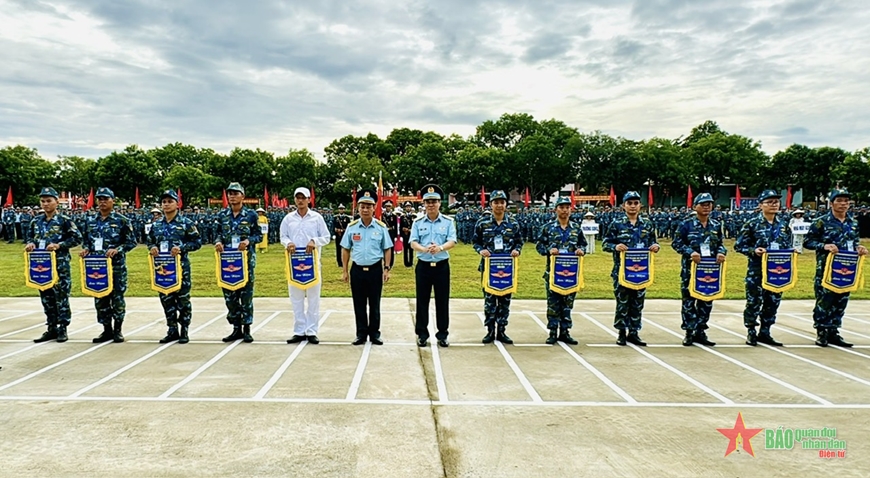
191, 240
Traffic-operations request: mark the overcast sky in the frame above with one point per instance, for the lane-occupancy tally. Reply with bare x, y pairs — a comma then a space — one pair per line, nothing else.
89, 76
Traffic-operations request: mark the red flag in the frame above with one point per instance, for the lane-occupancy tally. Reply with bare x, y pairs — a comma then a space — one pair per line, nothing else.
226, 202
573, 199
737, 198
312, 198
9, 197
180, 202
395, 197
90, 203
612, 197
482, 197
138, 203
689, 199
265, 196
650, 198
788, 199
353, 201
419, 196
528, 198
380, 203
72, 201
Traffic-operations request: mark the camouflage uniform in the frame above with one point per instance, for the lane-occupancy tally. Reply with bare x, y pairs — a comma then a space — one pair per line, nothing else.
569, 240
117, 233
689, 238
240, 303
629, 302
496, 308
180, 232
60, 230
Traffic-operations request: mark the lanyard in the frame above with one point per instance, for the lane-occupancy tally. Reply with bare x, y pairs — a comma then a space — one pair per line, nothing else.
775, 231
566, 234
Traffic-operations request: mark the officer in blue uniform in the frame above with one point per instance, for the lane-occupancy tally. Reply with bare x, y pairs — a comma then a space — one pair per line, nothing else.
366, 249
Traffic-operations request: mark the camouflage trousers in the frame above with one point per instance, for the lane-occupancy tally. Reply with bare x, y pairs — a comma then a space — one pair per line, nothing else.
113, 306
176, 306
759, 302
695, 312
240, 303
559, 309
629, 307
496, 309
55, 301
830, 307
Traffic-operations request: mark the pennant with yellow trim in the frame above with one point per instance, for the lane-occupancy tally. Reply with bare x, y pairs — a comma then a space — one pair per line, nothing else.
843, 272
166, 273
779, 270
301, 268
96, 273
707, 280
231, 269
40, 270
636, 269
566, 274
500, 274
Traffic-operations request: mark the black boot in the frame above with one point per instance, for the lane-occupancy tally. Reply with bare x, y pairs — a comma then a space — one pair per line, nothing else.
490, 335
701, 338
246, 334
503, 337
751, 337
236, 335
107, 334
61, 333
118, 337
552, 338
635, 339
690, 338
565, 336
183, 338
835, 339
765, 338
171, 335
49, 334
621, 339
821, 337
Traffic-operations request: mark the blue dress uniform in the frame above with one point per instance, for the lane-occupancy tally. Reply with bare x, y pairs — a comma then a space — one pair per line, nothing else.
60, 230
112, 232
367, 245
692, 236
497, 238
165, 235
629, 302
757, 232
830, 306
242, 226
433, 270
566, 240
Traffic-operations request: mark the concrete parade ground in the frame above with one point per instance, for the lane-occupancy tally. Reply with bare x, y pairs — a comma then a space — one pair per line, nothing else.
271, 409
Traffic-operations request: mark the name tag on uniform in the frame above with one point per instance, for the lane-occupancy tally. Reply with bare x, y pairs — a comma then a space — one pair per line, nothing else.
850, 247
498, 243
147, 228
98, 243
705, 250
235, 241
356, 237
164, 246
639, 246
42, 244
774, 246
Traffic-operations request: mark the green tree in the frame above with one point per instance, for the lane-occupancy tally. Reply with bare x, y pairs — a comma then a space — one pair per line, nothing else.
297, 168
124, 171
26, 172
76, 174
854, 174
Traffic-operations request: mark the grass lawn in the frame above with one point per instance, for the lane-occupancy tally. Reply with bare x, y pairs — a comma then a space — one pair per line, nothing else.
270, 280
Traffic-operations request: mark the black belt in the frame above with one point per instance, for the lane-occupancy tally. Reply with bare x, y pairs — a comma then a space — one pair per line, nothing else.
433, 264
366, 268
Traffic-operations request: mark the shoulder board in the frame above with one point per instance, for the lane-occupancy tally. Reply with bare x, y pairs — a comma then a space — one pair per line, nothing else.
354, 222
379, 222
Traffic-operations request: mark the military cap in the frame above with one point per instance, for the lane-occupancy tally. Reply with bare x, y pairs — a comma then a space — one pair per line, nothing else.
702, 198
236, 187
631, 195
367, 196
837, 192
563, 200
303, 191
407, 204
341, 206
768, 194
169, 194
48, 192
497, 194
105, 193
156, 211
432, 191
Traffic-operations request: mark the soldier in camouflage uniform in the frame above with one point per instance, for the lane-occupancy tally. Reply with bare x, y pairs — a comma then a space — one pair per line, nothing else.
407, 220
177, 235
497, 233
340, 223
828, 234
559, 237
697, 237
238, 229
111, 234
51, 231
762, 232
629, 232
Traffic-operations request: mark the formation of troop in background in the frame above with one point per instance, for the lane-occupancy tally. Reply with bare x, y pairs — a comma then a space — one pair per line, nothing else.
365, 247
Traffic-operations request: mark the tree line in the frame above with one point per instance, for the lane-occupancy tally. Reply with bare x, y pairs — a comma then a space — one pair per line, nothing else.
514, 152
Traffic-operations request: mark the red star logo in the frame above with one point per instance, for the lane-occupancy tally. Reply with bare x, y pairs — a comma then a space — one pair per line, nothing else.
739, 434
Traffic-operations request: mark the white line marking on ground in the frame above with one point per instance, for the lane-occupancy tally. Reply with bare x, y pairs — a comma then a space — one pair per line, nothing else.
139, 360
852, 317
863, 336
516, 368
360, 369
214, 359
4, 319
25, 349
22, 330
662, 363
812, 339
588, 366
440, 384
69, 359
748, 367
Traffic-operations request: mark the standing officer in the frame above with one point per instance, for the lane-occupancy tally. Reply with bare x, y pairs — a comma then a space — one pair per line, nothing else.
407, 221
340, 222
561, 236
238, 229
368, 246
629, 232
828, 234
391, 220
177, 235
697, 237
762, 233
51, 231
111, 234
432, 236
498, 233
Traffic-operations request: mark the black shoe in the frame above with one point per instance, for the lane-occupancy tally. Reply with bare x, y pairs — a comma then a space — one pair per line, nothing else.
565, 336
359, 340
821, 337
443, 343
171, 336
422, 341
751, 337
296, 339
767, 339
835, 339
377, 341
490, 336
503, 337
236, 335
118, 337
552, 338
621, 339
107, 335
61, 334
183, 337
701, 338
312, 339
689, 339
49, 334
246, 334
633, 338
